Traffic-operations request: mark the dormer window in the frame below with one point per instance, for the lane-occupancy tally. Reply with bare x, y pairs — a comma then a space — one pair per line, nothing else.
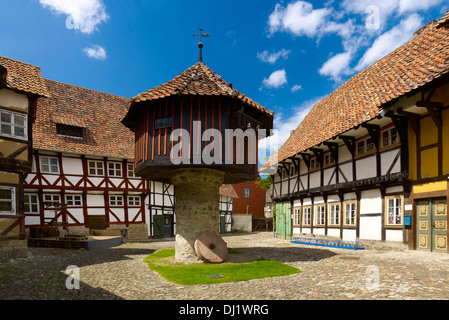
69, 131
69, 126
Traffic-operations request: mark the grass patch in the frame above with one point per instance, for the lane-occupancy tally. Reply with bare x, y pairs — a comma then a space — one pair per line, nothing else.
198, 273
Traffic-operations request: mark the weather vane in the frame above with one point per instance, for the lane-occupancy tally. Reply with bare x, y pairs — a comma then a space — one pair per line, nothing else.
201, 35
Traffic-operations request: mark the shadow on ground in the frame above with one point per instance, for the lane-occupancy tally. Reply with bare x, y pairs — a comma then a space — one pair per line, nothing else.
289, 254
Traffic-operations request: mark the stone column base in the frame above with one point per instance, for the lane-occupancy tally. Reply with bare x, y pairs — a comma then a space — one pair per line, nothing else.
197, 208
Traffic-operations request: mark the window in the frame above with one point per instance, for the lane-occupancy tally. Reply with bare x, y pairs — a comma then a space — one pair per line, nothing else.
69, 131
334, 214
390, 137
365, 146
73, 200
394, 211
350, 214
246, 192
114, 169
134, 201
7, 200
314, 164
116, 201
328, 159
96, 168
307, 213
293, 171
296, 216
13, 124
31, 203
319, 215
130, 170
49, 165
52, 200
163, 123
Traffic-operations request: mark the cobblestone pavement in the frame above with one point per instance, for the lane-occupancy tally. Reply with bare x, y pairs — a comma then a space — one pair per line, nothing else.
327, 274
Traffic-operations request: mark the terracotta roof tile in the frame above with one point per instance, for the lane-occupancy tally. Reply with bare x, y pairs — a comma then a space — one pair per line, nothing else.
414, 64
228, 190
99, 113
197, 80
24, 77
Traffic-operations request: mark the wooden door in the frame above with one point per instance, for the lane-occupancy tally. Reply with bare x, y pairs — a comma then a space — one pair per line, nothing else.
283, 220
432, 225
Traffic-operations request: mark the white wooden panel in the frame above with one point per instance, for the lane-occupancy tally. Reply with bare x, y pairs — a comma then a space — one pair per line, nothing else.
371, 202
72, 166
370, 227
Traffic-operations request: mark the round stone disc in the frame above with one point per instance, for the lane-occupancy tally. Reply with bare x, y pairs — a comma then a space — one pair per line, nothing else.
210, 247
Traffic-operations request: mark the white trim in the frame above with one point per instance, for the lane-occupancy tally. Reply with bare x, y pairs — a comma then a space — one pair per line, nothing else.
12, 200
13, 125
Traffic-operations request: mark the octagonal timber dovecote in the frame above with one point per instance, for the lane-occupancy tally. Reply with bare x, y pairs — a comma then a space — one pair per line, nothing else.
197, 120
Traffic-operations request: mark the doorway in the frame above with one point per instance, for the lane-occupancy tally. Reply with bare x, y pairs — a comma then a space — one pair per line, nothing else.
431, 228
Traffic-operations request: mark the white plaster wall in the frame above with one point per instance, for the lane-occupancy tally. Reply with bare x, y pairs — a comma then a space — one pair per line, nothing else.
387, 158
77, 213
349, 235
95, 200
315, 179
371, 202
350, 196
344, 154
370, 227
347, 171
11, 99
72, 166
32, 220
394, 235
328, 173
366, 167
119, 212
319, 231
333, 232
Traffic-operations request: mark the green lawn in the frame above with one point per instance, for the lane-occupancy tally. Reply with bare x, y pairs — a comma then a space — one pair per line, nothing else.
199, 273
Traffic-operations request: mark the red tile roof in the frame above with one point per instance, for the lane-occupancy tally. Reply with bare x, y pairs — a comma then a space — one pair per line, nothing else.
23, 77
99, 113
198, 80
409, 67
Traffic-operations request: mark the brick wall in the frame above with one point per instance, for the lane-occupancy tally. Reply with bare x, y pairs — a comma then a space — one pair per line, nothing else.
256, 200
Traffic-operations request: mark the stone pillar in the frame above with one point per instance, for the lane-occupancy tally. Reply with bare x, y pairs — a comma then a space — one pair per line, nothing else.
197, 208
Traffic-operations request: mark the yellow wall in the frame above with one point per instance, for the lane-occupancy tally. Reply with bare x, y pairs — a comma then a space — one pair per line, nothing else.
8, 147
413, 163
446, 141
429, 132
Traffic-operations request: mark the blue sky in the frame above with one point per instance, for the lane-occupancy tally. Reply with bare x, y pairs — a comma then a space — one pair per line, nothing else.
286, 55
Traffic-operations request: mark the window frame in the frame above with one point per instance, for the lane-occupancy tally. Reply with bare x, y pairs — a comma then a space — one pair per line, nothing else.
13, 211
345, 213
314, 164
365, 146
332, 221
49, 164
133, 204
73, 202
331, 161
390, 143
296, 216
114, 202
95, 168
307, 216
395, 198
320, 215
130, 172
115, 169
52, 203
13, 125
30, 203
246, 193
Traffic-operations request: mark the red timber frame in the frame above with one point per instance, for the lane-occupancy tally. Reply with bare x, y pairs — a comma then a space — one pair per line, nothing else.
86, 185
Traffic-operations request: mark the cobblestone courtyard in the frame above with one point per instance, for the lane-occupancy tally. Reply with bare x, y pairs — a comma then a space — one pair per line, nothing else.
327, 274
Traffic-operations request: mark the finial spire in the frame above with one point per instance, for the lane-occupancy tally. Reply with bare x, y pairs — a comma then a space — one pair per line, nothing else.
201, 35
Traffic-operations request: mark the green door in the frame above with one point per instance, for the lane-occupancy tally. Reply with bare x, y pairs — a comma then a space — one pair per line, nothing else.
158, 226
283, 220
431, 229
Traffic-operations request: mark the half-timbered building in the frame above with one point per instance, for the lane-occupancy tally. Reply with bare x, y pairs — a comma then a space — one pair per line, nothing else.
370, 161
82, 176
21, 85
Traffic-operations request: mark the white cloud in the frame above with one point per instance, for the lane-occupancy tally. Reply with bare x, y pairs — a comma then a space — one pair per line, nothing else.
265, 56
296, 87
96, 52
276, 79
416, 5
390, 40
85, 15
337, 66
298, 18
283, 127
